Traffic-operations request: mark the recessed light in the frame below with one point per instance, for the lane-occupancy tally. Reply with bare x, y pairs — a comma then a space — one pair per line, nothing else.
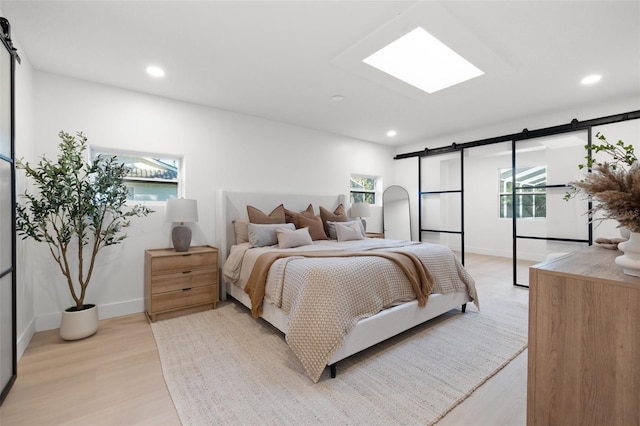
337, 98
391, 133
154, 71
591, 79
423, 61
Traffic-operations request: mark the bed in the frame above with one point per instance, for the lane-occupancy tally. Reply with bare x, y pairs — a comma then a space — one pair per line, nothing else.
319, 278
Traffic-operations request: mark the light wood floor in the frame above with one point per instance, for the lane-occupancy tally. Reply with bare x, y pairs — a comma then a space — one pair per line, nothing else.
115, 377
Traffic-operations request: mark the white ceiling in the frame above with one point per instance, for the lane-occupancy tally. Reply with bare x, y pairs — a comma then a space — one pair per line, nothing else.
283, 60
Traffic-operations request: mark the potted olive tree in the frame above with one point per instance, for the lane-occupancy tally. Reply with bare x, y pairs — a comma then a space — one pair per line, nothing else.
77, 209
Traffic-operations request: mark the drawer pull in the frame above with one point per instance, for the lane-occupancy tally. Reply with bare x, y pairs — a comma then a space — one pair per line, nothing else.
186, 289
186, 254
186, 272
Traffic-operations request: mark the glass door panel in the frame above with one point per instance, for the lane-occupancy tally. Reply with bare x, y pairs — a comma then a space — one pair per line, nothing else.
545, 223
5, 102
487, 230
8, 366
441, 172
441, 212
441, 201
6, 217
6, 330
629, 133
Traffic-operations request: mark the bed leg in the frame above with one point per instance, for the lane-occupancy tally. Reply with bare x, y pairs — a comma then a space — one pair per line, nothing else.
464, 308
333, 368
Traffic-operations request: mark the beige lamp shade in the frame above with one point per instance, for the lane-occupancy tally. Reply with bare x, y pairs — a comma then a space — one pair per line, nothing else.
361, 210
181, 210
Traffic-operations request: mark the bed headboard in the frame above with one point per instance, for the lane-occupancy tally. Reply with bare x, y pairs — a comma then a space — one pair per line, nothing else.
233, 205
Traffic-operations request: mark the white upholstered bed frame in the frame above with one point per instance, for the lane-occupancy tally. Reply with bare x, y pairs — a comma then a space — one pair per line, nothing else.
368, 331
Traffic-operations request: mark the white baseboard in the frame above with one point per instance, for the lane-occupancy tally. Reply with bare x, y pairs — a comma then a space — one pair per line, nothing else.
488, 252
111, 310
119, 309
534, 257
25, 338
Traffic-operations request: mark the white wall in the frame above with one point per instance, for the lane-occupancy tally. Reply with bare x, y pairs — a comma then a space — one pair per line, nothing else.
222, 150
496, 234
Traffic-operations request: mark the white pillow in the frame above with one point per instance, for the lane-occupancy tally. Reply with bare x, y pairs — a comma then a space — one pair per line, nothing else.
331, 226
349, 231
265, 235
296, 238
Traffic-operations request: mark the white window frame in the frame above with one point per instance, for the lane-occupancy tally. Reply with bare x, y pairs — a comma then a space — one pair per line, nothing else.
94, 151
519, 193
377, 191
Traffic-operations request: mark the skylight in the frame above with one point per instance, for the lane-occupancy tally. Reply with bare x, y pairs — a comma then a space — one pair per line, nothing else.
423, 61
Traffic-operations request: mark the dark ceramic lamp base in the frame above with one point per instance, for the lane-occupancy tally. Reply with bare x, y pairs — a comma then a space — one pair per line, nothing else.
181, 237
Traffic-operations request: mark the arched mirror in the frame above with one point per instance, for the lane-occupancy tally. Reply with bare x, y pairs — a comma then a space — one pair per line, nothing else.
396, 214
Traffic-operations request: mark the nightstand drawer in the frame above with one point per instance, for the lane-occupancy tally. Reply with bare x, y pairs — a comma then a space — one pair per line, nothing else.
183, 298
169, 264
185, 279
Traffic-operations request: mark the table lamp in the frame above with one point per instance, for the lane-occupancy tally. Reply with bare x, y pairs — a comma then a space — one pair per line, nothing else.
181, 210
361, 210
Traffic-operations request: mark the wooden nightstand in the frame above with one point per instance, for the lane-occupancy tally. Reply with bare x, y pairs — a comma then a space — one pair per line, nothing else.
176, 283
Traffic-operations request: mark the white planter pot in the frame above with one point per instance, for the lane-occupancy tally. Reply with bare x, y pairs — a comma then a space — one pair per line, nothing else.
630, 260
77, 325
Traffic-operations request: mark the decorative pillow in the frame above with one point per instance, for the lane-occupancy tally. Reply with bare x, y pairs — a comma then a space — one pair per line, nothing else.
314, 223
292, 217
332, 228
261, 235
288, 238
257, 216
348, 232
241, 230
338, 215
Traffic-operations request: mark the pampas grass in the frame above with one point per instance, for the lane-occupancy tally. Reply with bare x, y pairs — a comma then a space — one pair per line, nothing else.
614, 186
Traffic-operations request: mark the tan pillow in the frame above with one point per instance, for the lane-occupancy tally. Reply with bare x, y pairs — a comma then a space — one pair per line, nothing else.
314, 223
338, 215
242, 232
257, 216
293, 238
292, 217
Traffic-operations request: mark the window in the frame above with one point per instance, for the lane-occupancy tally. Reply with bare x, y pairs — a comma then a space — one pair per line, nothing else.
530, 192
151, 177
363, 189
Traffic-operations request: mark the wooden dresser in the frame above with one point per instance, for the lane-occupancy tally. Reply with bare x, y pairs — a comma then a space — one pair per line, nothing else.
584, 341
180, 282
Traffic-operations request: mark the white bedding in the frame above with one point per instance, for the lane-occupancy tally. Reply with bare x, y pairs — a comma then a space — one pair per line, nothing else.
242, 257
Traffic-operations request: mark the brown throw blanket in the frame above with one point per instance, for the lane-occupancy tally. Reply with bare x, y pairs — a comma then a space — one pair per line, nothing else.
419, 276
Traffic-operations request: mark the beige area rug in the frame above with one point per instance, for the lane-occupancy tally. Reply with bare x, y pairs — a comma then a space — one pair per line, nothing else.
224, 367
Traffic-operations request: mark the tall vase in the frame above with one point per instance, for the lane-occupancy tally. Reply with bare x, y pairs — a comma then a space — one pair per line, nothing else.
630, 260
